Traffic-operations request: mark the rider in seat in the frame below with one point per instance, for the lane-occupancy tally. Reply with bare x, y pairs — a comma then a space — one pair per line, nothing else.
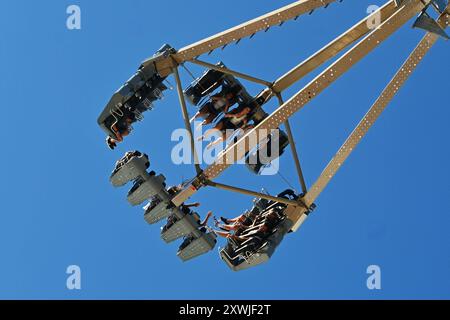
220, 102
121, 129
235, 120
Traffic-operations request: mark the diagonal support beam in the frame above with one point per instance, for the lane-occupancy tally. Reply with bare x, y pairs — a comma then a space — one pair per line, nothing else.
231, 72
294, 151
313, 89
186, 119
253, 193
375, 111
331, 50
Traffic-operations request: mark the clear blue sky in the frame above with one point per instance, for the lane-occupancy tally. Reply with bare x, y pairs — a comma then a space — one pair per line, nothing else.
389, 205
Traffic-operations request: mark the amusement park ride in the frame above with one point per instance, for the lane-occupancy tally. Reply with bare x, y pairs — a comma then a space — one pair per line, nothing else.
288, 210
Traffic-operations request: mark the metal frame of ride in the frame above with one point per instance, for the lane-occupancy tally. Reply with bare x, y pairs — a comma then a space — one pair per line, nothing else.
394, 14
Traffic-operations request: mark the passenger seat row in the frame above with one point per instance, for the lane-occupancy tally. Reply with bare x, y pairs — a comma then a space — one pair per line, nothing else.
149, 186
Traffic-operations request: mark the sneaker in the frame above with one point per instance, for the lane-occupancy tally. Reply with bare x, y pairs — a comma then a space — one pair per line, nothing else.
111, 144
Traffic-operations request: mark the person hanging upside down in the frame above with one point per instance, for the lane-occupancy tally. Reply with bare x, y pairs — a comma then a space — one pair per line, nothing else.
261, 232
239, 112
232, 121
220, 102
243, 221
121, 129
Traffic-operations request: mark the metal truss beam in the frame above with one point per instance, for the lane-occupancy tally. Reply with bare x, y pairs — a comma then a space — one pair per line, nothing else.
375, 111
314, 88
253, 193
294, 151
249, 28
232, 72
186, 119
333, 48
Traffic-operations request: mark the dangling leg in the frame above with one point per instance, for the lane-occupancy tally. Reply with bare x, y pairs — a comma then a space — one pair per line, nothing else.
217, 141
199, 114
222, 234
209, 132
209, 119
202, 113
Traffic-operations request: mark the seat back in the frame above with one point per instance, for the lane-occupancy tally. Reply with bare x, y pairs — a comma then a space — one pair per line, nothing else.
151, 186
129, 171
181, 228
265, 152
247, 258
198, 247
204, 85
158, 213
